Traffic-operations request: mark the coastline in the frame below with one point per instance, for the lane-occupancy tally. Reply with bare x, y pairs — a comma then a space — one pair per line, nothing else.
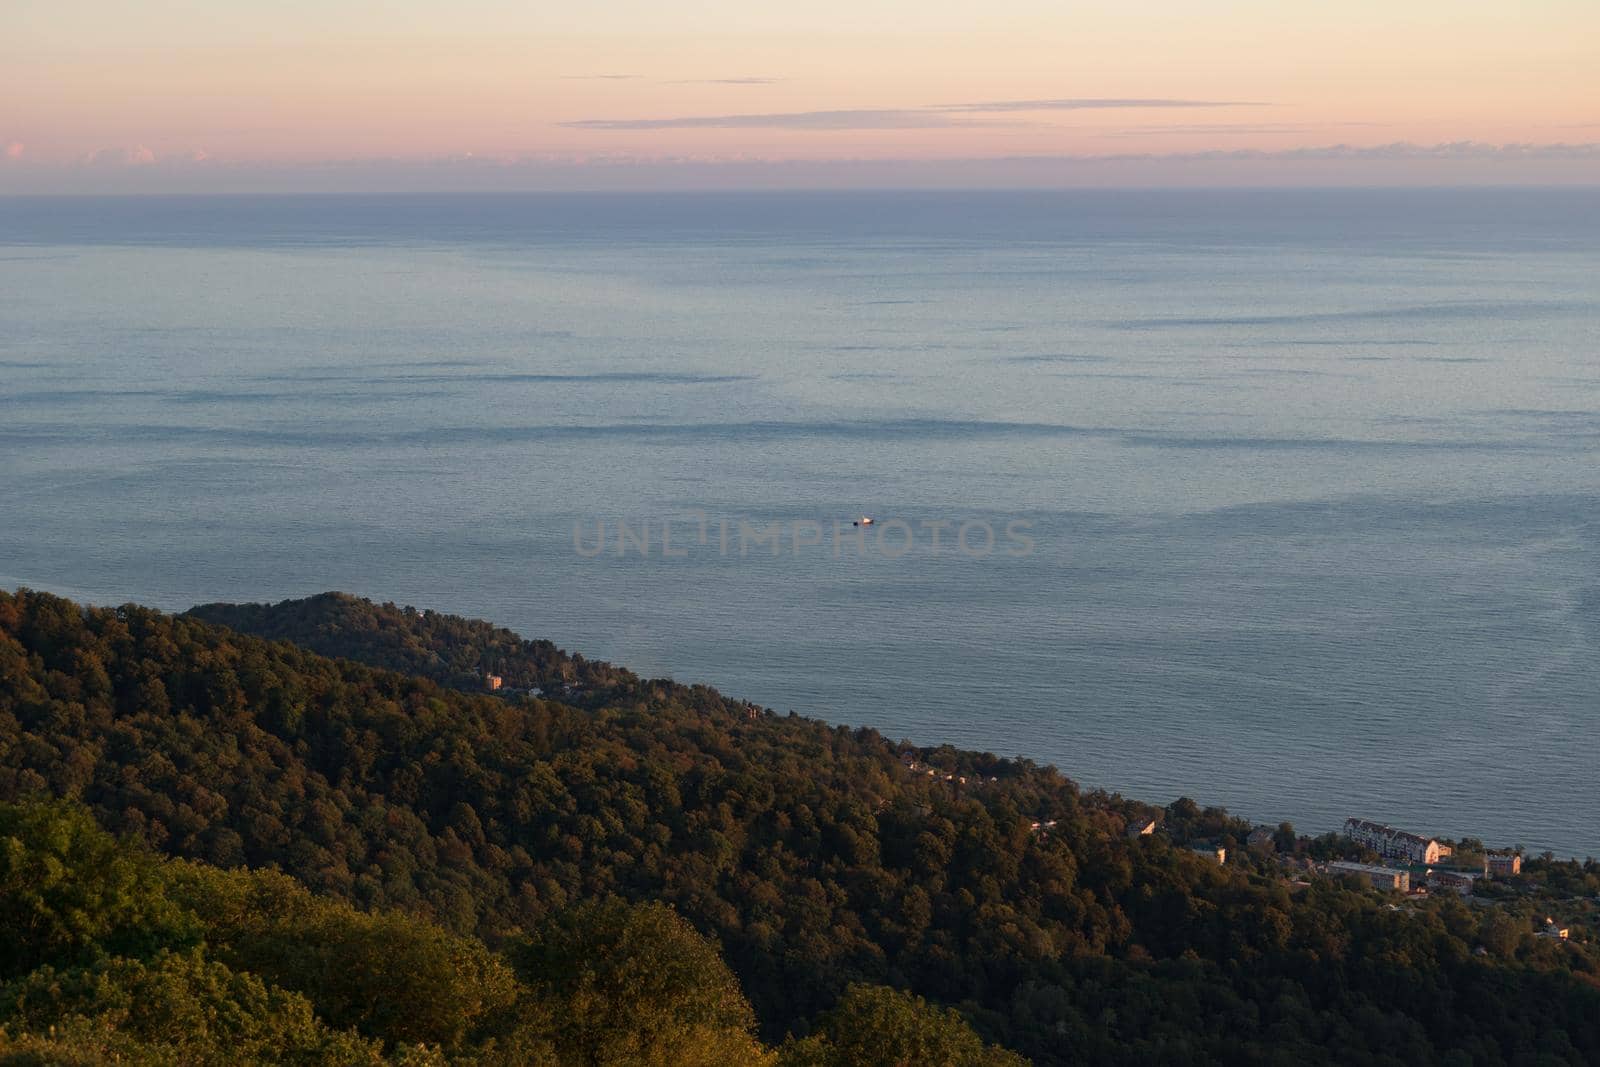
1086, 782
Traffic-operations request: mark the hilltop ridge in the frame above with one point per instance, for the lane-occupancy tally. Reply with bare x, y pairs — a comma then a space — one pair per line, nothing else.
450, 649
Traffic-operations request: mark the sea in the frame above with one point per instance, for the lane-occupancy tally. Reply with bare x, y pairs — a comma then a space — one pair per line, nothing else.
1282, 500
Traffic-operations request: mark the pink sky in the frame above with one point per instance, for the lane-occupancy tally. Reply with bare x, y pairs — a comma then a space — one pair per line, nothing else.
189, 92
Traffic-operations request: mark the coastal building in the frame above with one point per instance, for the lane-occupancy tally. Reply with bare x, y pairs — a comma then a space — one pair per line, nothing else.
1503, 864
1215, 853
1385, 878
1391, 843
1262, 839
492, 682
1555, 931
1141, 827
1462, 882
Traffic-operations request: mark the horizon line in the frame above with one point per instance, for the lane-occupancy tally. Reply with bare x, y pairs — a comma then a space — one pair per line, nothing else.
761, 190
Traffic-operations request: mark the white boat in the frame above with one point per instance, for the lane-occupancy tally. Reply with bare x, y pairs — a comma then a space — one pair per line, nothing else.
862, 521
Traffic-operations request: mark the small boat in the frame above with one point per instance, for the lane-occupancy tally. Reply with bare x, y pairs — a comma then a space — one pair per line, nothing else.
862, 521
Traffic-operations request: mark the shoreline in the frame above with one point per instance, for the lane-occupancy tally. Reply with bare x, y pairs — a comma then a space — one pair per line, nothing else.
1084, 783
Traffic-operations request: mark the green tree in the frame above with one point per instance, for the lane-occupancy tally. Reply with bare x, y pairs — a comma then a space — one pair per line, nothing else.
196, 1010
390, 975
874, 1026
636, 984
70, 893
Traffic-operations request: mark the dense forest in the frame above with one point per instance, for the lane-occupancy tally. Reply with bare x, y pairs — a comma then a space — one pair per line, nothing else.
115, 956
759, 885
449, 649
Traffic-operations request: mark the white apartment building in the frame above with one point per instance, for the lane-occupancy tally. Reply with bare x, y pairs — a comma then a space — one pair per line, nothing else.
1390, 843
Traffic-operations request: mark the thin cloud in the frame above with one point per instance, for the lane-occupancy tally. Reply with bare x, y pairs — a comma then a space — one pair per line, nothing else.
1229, 127
886, 119
1091, 103
934, 117
135, 156
1145, 131
1396, 150
1466, 162
725, 81
1404, 150
598, 77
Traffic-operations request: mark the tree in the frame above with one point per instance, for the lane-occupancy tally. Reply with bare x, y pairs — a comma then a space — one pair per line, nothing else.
874, 1026
636, 984
390, 975
70, 893
181, 1005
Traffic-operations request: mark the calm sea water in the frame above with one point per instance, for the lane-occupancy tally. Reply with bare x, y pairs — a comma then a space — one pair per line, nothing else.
1310, 477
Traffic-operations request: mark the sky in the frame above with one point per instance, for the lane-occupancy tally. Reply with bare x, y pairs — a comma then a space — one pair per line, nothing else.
171, 95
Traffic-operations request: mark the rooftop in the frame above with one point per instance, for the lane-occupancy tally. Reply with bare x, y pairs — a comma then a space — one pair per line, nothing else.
1366, 826
1364, 868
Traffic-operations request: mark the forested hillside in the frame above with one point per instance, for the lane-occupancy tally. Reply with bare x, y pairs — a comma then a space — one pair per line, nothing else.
111, 956
809, 854
449, 649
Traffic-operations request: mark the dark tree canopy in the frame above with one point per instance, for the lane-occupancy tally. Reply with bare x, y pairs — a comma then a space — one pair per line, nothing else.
809, 856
